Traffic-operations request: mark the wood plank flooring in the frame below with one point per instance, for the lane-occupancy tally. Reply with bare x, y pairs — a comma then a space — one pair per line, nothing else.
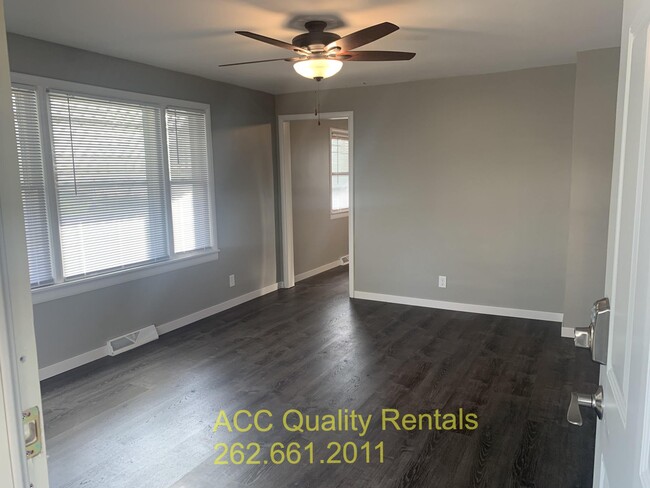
145, 418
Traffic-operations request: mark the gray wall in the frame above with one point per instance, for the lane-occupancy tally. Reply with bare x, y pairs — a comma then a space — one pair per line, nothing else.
591, 174
317, 238
466, 177
242, 135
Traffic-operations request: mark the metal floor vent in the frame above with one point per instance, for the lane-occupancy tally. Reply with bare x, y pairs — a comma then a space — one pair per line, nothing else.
132, 340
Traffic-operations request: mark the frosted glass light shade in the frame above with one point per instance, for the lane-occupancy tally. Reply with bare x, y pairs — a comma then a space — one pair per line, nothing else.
318, 68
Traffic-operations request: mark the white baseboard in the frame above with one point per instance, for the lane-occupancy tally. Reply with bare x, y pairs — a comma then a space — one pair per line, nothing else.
87, 357
100, 352
72, 363
462, 307
319, 270
220, 307
568, 332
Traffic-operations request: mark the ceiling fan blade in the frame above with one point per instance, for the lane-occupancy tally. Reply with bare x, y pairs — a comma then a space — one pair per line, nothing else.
273, 42
261, 61
377, 56
363, 37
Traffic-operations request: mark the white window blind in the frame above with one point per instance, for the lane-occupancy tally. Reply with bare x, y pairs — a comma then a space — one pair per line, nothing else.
32, 181
187, 153
340, 170
108, 162
117, 181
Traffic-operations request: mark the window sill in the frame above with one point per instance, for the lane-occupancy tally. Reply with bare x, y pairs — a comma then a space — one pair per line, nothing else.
71, 288
339, 215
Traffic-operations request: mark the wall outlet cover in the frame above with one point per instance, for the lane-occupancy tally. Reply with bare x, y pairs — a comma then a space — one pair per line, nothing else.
232, 280
442, 282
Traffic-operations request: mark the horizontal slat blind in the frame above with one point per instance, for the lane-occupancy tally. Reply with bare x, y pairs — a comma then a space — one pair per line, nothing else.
188, 173
110, 186
340, 147
32, 181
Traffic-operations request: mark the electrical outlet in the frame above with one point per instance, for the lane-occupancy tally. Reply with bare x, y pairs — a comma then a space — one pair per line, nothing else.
442, 282
232, 280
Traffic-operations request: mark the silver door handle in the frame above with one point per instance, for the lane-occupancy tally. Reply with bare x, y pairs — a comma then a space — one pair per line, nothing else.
596, 335
578, 400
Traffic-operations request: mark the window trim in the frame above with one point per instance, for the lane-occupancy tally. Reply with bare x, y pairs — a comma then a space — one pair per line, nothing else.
176, 261
343, 213
83, 285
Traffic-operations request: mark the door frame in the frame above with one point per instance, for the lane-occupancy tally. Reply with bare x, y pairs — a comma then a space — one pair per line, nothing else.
286, 200
19, 381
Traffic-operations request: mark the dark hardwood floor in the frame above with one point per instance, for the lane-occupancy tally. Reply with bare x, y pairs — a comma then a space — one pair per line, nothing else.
145, 418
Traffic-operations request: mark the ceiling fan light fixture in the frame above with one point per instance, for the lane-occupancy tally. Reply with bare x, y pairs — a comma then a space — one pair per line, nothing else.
318, 69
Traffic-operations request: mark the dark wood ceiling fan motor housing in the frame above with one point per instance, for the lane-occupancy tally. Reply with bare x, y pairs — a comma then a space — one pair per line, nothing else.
315, 39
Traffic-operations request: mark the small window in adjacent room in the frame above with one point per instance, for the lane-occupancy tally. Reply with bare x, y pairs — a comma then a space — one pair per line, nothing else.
339, 173
110, 184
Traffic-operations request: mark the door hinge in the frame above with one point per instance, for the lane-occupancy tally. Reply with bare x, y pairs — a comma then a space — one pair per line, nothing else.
32, 428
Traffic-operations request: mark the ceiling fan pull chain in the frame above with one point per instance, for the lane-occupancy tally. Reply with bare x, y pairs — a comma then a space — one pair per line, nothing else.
318, 102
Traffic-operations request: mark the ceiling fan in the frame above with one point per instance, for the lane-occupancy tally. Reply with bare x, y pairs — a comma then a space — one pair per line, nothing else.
318, 54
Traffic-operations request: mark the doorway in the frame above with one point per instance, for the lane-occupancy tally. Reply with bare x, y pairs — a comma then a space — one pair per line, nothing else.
317, 194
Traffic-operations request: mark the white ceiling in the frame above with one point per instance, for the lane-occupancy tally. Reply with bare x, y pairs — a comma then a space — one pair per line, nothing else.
450, 37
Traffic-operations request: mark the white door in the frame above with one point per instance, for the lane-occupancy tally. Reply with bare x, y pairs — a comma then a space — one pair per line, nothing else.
622, 458
19, 385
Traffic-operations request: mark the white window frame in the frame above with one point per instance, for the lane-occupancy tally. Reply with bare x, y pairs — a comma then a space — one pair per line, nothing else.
62, 288
343, 213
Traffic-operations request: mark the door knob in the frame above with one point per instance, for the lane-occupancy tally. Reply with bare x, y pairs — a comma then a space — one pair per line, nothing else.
578, 400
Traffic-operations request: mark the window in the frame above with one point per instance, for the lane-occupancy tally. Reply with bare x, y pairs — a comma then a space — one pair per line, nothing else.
32, 183
339, 172
124, 183
188, 174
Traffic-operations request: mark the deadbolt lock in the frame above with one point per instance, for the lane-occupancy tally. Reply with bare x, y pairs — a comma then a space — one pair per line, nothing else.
596, 336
